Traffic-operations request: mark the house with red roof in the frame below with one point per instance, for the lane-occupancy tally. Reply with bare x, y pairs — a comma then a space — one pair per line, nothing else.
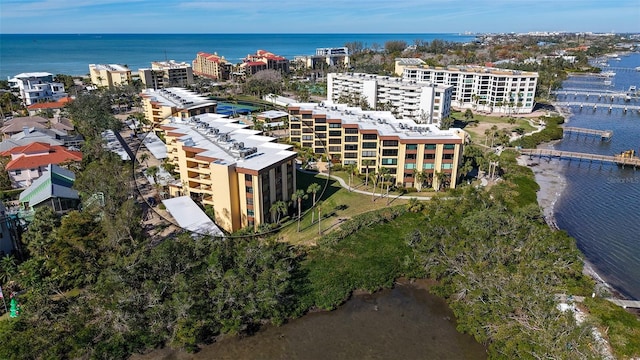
264, 60
30, 161
53, 106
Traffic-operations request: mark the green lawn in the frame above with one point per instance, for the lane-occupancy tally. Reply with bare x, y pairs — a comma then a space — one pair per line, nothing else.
337, 204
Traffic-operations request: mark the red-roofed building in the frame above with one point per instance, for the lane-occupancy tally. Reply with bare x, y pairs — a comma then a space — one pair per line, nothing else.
54, 106
212, 66
30, 161
264, 60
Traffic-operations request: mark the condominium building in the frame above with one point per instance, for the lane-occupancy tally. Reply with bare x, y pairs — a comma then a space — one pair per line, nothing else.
482, 88
263, 60
109, 75
159, 105
424, 102
227, 165
37, 87
324, 57
376, 139
166, 74
401, 63
212, 66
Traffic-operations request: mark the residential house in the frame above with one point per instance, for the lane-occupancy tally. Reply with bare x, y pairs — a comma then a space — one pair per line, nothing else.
37, 87
53, 189
30, 161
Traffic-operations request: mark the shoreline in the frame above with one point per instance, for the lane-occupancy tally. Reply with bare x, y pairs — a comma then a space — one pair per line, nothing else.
553, 185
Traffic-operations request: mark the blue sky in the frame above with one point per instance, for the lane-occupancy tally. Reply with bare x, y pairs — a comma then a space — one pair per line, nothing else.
317, 16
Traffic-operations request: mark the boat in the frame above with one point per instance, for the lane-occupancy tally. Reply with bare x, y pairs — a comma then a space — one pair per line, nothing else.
608, 73
637, 68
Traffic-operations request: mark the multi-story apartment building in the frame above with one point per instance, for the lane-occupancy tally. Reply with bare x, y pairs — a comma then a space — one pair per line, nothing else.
324, 57
109, 75
159, 105
376, 139
238, 171
424, 102
37, 87
166, 74
482, 88
263, 60
212, 66
401, 63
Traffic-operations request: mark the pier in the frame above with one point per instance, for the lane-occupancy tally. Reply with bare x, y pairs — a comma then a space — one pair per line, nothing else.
595, 107
605, 135
569, 155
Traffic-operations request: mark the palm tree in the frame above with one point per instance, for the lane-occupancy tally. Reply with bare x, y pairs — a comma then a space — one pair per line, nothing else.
384, 177
298, 196
367, 163
8, 268
278, 208
144, 157
440, 178
351, 168
153, 172
420, 177
313, 189
375, 176
319, 207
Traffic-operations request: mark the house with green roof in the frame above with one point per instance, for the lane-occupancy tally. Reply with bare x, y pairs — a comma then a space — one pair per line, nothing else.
52, 189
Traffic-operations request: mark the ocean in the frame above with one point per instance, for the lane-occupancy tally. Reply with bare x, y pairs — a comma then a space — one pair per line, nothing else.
600, 205
72, 54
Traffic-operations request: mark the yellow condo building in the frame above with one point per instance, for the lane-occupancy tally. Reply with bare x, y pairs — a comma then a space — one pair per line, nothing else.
415, 155
160, 105
109, 75
231, 167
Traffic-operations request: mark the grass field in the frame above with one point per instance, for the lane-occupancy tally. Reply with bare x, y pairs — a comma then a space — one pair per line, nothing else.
476, 131
337, 205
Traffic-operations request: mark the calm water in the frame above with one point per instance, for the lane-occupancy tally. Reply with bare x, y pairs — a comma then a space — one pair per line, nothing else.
403, 323
72, 54
601, 205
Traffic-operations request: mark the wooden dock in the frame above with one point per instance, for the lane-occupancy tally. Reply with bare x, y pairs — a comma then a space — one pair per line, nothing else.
595, 106
569, 155
605, 135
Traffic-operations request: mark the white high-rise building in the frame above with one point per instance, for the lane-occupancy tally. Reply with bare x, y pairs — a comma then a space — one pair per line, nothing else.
421, 102
481, 88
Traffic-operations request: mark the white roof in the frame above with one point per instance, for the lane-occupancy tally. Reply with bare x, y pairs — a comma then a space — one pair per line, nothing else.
190, 217
229, 142
382, 121
113, 144
157, 148
178, 97
110, 67
32, 74
273, 114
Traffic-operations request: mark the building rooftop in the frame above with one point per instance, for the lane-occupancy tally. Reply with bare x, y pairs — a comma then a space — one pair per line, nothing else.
109, 67
170, 64
382, 121
225, 142
410, 61
56, 182
190, 217
481, 69
389, 81
272, 114
177, 97
32, 75
38, 154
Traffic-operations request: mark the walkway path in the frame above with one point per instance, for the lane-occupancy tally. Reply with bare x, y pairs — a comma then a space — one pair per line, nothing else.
346, 186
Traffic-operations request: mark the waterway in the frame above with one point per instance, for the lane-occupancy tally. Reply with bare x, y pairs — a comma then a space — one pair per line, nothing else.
599, 205
405, 322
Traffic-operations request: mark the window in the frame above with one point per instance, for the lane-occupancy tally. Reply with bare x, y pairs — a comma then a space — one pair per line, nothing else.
18, 172
449, 146
335, 133
334, 149
429, 156
410, 156
350, 139
248, 178
447, 166
447, 156
410, 166
368, 154
430, 146
369, 137
427, 166
389, 152
390, 143
350, 155
307, 137
369, 145
350, 131
335, 141
249, 201
389, 161
412, 146
250, 189
249, 212
334, 126
321, 128
351, 147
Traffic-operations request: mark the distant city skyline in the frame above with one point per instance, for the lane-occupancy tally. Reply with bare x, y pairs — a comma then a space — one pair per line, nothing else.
327, 16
